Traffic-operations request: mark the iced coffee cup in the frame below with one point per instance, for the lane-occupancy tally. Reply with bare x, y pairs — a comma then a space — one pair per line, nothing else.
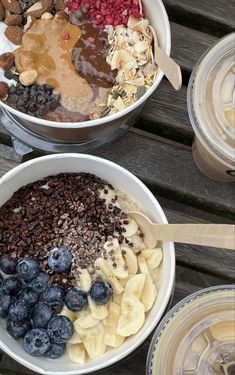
197, 336
211, 107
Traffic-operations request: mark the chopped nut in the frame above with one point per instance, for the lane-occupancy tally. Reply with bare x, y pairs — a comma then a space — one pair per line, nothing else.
4, 90
7, 60
29, 23
28, 77
46, 16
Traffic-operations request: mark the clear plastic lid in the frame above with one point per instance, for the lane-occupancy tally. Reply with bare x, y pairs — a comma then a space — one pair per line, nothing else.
211, 99
197, 337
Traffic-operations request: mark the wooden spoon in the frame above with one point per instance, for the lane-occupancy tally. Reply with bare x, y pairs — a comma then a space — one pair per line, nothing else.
216, 235
169, 67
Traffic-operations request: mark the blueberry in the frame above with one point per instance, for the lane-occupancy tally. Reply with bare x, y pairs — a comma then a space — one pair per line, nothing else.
101, 292
76, 299
41, 315
1, 279
60, 259
36, 342
18, 311
60, 329
54, 295
12, 284
18, 329
40, 282
8, 265
29, 295
5, 301
27, 269
55, 350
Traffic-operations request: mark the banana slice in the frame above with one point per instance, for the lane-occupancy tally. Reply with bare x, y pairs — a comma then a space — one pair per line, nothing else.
94, 341
153, 257
117, 298
75, 339
143, 265
84, 280
86, 322
131, 228
70, 314
149, 293
114, 254
132, 316
98, 312
80, 331
77, 353
111, 338
104, 270
137, 241
130, 260
135, 285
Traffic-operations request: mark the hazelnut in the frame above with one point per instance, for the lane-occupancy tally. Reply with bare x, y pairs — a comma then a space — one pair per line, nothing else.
28, 77
7, 60
46, 16
4, 90
61, 15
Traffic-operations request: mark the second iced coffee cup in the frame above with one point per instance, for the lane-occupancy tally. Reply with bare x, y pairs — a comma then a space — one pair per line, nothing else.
211, 107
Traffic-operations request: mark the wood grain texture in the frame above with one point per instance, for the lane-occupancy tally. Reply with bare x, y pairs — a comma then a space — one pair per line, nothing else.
187, 282
169, 170
189, 45
6, 165
166, 117
213, 17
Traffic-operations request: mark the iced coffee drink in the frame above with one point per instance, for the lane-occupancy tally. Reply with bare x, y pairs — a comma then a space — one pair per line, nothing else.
197, 336
211, 106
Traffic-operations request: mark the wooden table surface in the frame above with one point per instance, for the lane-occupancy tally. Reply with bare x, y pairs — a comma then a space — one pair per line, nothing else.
158, 151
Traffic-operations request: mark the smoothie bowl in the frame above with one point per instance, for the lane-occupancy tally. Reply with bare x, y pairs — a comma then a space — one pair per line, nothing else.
76, 70
79, 289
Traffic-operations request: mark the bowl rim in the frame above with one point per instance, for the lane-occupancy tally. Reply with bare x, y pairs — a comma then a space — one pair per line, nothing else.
103, 120
168, 246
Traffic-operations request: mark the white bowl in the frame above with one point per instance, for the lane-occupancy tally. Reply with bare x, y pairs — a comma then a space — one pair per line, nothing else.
90, 130
120, 178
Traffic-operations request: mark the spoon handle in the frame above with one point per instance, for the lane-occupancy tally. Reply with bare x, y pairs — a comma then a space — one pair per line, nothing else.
169, 67
216, 235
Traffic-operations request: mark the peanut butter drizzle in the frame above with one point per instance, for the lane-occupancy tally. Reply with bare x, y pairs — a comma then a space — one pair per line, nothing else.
44, 49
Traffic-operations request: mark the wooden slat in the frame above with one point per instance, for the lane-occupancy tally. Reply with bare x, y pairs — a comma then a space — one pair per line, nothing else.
170, 171
188, 45
215, 17
6, 165
187, 282
166, 117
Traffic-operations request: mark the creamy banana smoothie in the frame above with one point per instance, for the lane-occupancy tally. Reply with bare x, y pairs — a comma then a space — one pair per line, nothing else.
211, 106
76, 275
199, 332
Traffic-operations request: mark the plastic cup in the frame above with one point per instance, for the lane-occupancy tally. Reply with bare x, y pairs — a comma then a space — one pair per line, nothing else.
211, 108
197, 336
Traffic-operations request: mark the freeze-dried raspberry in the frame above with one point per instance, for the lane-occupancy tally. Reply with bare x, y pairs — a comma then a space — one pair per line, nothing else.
108, 12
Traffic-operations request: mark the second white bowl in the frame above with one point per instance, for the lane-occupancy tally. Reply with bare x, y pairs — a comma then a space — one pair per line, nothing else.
125, 181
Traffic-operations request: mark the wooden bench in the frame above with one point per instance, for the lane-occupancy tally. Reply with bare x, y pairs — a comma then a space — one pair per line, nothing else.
160, 155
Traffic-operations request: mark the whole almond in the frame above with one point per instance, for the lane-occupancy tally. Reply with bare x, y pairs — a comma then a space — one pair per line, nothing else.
2, 11
14, 34
7, 60
4, 90
14, 20
61, 15
12, 5
40, 7
60, 5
